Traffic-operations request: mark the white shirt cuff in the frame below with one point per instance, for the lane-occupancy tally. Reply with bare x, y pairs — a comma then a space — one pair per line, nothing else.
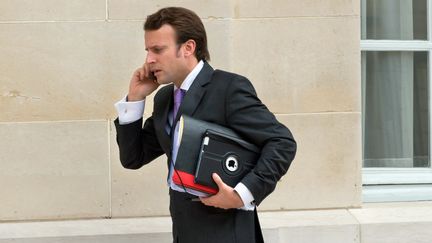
246, 196
129, 112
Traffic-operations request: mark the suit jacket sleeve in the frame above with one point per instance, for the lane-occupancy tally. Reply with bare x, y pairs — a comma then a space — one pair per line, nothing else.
247, 115
137, 145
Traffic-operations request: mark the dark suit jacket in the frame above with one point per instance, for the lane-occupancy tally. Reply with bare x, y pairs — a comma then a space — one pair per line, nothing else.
229, 100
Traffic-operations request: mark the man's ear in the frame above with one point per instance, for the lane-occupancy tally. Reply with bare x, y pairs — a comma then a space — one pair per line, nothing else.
189, 48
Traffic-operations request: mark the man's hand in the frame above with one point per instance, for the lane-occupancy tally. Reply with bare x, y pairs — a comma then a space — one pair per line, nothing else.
226, 197
142, 84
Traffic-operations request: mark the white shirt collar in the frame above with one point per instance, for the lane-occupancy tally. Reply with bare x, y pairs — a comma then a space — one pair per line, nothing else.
191, 77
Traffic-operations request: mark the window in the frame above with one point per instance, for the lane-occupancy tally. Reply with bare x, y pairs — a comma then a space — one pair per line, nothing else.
396, 49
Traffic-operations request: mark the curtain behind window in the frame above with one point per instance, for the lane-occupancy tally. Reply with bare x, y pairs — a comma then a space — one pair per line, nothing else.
395, 87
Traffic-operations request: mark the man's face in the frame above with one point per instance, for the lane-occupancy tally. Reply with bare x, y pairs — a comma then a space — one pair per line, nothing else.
164, 56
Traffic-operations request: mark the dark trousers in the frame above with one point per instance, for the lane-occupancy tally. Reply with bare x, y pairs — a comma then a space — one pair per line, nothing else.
193, 222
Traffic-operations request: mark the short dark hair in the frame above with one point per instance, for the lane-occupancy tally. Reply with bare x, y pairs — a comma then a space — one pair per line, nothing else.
186, 24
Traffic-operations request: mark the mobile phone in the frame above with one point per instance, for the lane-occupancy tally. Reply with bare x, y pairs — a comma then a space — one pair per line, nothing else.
152, 76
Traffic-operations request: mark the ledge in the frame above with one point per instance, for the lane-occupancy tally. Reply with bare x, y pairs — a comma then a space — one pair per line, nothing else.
384, 222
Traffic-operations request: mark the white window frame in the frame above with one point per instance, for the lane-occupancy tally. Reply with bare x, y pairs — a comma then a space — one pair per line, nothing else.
400, 184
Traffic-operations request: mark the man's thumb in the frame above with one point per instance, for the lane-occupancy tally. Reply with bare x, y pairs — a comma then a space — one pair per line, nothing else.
218, 180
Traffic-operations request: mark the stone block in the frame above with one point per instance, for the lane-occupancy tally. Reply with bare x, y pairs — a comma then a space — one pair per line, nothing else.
142, 192
136, 9
326, 172
52, 10
397, 222
300, 65
54, 170
290, 8
66, 71
310, 226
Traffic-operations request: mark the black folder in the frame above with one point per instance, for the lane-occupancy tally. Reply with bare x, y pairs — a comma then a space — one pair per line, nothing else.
207, 148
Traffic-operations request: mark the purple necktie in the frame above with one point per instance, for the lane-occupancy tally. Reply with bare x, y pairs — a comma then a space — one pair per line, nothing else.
178, 97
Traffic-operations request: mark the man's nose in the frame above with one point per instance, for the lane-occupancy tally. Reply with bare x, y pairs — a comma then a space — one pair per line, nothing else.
150, 58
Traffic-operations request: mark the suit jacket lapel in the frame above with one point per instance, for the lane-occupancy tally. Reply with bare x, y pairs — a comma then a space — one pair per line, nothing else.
196, 92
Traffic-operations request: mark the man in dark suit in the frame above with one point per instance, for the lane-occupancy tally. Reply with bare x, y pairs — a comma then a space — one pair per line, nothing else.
176, 45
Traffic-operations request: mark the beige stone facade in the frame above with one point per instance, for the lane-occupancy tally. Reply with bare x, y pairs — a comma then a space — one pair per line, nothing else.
63, 64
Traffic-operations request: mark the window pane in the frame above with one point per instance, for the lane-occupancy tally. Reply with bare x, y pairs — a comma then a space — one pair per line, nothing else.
394, 19
395, 109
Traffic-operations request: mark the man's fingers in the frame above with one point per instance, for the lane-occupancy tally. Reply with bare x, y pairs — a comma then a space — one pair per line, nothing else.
224, 198
211, 201
147, 72
142, 74
218, 180
215, 200
206, 201
138, 75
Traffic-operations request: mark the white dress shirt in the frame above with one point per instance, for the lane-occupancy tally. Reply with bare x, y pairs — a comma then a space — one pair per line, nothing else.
129, 112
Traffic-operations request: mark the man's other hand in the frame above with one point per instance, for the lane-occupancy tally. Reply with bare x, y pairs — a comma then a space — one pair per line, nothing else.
226, 197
